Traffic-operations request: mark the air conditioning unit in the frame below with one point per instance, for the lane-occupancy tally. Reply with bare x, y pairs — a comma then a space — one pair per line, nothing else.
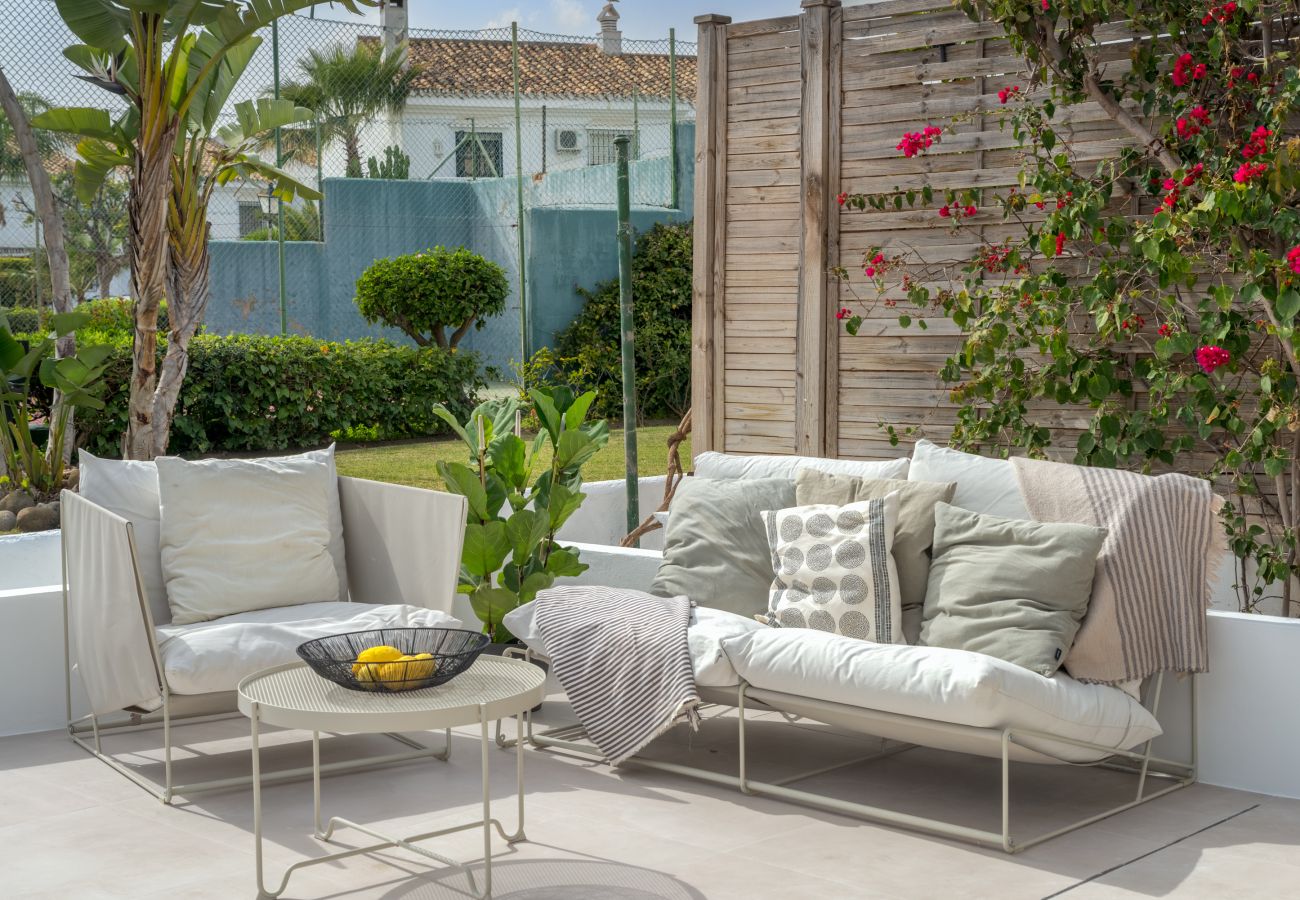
568, 140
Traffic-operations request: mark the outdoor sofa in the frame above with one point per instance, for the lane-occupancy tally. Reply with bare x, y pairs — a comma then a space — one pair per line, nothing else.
906, 695
394, 550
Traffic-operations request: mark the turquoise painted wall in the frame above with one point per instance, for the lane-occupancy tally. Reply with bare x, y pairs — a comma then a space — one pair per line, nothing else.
570, 242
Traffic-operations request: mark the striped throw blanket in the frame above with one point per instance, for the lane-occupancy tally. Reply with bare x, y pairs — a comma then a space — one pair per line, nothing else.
623, 659
1155, 572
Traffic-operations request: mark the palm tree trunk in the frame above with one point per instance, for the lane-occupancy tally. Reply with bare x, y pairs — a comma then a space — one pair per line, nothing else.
147, 214
51, 219
352, 144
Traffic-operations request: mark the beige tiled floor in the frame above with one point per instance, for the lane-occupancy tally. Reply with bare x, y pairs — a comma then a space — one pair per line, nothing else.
72, 828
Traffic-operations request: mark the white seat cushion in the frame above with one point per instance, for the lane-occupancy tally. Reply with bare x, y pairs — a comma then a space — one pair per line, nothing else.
214, 656
951, 686
704, 636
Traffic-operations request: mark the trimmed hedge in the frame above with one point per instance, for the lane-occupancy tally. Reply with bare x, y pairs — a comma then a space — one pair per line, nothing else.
255, 392
110, 316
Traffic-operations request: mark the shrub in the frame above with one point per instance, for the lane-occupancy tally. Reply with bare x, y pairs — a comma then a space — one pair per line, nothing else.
109, 317
253, 392
588, 351
24, 320
16, 280
113, 315
426, 293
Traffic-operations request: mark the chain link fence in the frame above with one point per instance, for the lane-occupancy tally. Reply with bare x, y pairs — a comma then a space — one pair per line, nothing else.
479, 126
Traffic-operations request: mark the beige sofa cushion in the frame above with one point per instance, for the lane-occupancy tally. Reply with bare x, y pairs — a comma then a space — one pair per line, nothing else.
240, 535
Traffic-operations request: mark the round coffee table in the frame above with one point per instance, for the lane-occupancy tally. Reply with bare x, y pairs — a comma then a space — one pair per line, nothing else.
293, 696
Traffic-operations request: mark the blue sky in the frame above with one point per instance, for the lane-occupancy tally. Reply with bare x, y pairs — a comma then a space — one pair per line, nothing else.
641, 18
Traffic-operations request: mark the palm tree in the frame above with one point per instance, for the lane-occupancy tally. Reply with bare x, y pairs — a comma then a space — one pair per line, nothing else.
348, 89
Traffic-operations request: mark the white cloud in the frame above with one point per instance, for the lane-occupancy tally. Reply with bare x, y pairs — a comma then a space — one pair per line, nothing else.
505, 18
572, 16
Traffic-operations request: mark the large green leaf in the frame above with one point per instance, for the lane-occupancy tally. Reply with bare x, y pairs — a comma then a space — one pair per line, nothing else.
86, 121
486, 548
564, 563
510, 461
99, 23
564, 502
526, 530
491, 604
463, 480
211, 97
283, 185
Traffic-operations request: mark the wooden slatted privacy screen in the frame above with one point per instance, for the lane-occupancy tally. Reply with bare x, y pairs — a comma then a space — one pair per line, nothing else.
791, 112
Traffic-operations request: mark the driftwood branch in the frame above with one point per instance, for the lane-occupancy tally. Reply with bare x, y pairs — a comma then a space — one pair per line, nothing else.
676, 472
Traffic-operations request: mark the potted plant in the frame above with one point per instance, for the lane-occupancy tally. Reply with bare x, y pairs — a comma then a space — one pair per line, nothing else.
520, 494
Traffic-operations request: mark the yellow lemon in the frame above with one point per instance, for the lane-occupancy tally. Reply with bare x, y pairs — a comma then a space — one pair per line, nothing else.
408, 672
381, 654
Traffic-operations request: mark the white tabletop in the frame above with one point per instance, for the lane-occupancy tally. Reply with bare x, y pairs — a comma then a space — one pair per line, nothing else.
293, 696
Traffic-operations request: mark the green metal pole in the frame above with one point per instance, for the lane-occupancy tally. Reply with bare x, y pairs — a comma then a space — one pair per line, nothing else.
525, 339
674, 189
279, 160
320, 174
627, 327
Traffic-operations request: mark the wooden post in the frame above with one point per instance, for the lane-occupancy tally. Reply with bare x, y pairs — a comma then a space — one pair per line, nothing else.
832, 327
708, 300
811, 362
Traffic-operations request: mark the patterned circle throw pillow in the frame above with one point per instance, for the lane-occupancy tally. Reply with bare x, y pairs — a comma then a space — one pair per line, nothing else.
834, 569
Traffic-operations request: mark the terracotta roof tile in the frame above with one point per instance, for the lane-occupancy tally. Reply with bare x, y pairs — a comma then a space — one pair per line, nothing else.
459, 67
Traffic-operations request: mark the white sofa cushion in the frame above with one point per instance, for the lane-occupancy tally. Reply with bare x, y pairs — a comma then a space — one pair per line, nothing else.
984, 484
240, 535
214, 656
727, 466
704, 635
937, 684
130, 489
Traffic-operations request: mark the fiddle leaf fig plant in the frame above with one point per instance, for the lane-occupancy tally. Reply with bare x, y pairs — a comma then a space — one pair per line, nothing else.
520, 493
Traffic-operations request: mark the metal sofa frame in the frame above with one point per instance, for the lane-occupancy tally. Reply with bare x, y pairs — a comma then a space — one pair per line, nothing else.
1141, 763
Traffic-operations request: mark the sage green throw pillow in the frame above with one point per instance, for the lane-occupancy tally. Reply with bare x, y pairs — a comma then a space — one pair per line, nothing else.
1009, 588
715, 545
912, 536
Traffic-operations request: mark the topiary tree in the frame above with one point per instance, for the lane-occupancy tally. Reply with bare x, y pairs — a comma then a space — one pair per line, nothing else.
1155, 292
426, 293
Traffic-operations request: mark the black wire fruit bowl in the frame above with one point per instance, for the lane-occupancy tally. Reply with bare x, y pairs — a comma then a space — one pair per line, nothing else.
393, 659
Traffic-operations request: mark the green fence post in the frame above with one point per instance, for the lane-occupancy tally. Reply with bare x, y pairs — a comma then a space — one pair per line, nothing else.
320, 176
674, 189
279, 161
627, 327
525, 339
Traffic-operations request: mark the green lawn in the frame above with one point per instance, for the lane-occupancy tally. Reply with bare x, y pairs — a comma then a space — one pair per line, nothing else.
415, 462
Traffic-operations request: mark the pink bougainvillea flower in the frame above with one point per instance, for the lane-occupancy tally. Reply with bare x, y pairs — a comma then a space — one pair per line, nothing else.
1211, 357
869, 271
877, 259
842, 199
1060, 242
1180, 76
970, 211
1293, 259
1246, 171
1046, 6
843, 313
914, 142
1166, 329
944, 212
1007, 93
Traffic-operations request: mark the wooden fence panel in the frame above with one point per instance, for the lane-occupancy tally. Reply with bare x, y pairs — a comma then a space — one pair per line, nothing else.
793, 111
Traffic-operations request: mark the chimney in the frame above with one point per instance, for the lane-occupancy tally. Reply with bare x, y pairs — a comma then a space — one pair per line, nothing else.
610, 39
392, 15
